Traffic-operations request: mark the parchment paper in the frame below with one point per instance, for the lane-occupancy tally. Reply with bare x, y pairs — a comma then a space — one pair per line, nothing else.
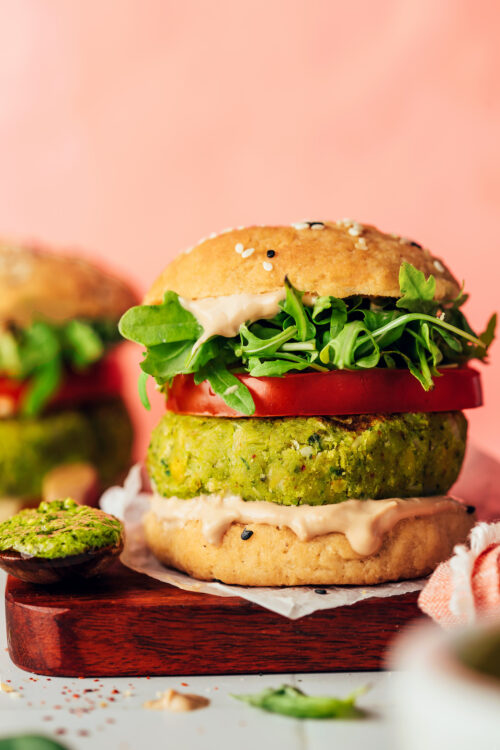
479, 483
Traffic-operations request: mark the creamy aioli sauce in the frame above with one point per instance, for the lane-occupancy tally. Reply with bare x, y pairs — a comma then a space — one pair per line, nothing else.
223, 316
171, 700
364, 522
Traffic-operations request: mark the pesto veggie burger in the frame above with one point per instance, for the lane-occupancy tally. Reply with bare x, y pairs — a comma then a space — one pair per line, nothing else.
315, 378
60, 400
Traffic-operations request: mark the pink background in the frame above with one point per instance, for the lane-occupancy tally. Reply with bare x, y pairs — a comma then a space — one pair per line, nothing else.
129, 129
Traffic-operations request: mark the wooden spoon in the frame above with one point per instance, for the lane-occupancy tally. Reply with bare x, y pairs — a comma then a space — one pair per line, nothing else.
55, 570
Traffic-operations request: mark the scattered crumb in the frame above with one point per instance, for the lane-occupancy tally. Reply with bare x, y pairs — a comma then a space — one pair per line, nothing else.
171, 700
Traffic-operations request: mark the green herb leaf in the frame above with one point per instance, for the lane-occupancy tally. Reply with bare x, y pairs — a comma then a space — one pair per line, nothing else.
143, 391
30, 742
294, 307
417, 293
151, 325
225, 384
290, 701
83, 344
44, 383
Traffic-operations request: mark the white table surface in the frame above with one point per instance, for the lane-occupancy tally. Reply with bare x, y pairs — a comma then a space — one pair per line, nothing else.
50, 705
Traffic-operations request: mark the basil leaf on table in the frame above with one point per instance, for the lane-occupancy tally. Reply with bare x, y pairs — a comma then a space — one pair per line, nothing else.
290, 701
30, 742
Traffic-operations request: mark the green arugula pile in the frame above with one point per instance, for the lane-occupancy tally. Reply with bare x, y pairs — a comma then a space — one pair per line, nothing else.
41, 353
414, 331
291, 701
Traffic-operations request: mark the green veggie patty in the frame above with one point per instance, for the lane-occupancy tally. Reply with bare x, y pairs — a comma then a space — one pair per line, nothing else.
60, 528
308, 460
100, 433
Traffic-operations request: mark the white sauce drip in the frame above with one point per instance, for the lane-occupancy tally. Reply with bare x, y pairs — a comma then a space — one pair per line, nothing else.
223, 316
364, 522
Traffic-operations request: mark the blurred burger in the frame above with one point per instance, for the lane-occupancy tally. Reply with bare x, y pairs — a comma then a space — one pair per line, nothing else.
64, 428
315, 377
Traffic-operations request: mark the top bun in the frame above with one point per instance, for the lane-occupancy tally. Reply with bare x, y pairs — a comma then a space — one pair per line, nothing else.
35, 284
326, 258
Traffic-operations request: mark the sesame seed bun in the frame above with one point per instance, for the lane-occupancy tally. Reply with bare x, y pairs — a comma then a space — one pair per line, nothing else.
326, 258
36, 284
277, 557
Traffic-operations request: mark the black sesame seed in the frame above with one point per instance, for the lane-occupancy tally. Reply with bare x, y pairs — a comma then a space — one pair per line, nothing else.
246, 534
315, 223
416, 244
271, 253
320, 591
471, 509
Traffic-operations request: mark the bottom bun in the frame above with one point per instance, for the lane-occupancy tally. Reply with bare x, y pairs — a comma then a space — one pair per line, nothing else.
274, 556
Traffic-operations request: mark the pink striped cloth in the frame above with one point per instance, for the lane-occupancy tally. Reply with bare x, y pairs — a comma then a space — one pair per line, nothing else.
466, 588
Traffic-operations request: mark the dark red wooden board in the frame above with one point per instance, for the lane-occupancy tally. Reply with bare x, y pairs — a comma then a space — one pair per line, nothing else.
128, 624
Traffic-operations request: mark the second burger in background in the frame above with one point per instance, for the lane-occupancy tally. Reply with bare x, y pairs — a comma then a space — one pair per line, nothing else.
64, 428
315, 378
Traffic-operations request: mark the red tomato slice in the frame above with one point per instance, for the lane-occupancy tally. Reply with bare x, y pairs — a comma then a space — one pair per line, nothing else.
99, 381
334, 393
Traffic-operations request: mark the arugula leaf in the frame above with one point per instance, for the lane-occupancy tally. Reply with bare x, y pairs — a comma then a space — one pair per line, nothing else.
46, 379
151, 325
418, 294
294, 307
225, 384
290, 701
83, 343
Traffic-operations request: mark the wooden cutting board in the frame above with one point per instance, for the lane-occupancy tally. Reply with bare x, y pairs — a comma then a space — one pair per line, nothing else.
128, 624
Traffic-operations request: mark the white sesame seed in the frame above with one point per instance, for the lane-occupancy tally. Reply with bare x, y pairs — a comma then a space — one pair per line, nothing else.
361, 244
212, 236
239, 247
247, 253
267, 266
317, 225
345, 222
301, 225
355, 230
438, 265
405, 241
189, 250
394, 236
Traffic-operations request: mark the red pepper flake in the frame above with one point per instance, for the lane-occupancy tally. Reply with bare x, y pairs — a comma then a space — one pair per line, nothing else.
75, 695
185, 684
96, 680
57, 708
302, 468
115, 692
60, 731
112, 700
48, 718
83, 733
